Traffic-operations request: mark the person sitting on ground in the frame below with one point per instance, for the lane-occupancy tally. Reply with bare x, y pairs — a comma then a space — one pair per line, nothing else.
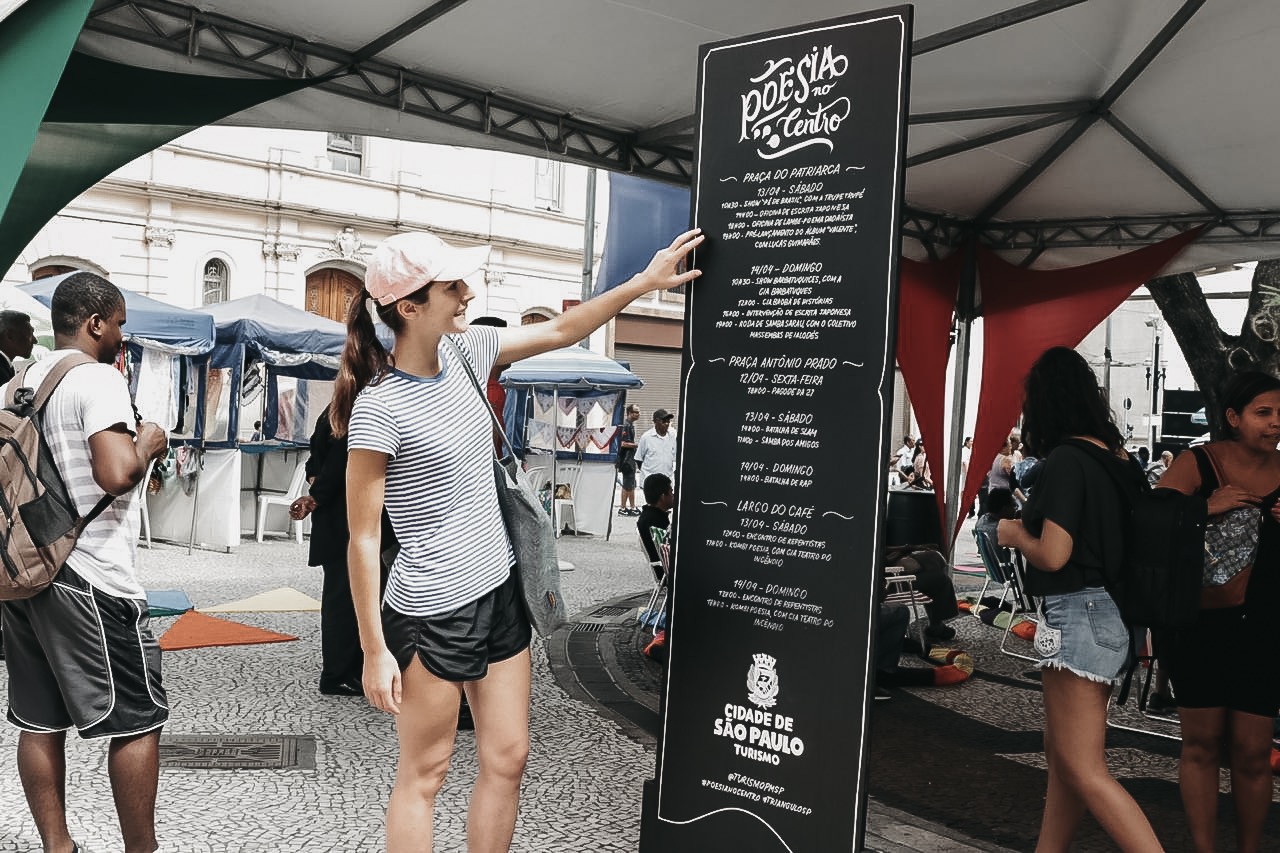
659, 498
933, 578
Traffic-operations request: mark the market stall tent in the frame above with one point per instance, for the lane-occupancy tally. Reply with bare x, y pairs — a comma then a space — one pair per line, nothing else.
279, 363
562, 412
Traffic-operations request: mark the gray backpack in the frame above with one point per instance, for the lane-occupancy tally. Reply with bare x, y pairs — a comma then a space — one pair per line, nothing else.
38, 520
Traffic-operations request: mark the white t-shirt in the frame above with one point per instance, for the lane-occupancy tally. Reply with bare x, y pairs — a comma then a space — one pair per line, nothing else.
656, 454
90, 399
440, 492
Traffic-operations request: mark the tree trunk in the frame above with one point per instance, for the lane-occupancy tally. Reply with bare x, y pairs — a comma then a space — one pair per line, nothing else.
1212, 354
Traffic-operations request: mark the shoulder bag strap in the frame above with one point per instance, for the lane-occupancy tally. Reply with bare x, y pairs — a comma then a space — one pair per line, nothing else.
1209, 479
466, 365
47, 386
55, 376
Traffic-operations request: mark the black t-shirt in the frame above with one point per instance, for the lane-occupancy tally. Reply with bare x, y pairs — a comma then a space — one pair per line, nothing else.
626, 455
651, 517
1075, 492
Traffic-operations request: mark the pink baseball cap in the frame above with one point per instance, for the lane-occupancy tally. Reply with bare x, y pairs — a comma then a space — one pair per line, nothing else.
403, 263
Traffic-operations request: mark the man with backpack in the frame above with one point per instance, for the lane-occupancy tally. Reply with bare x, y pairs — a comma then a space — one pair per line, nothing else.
79, 651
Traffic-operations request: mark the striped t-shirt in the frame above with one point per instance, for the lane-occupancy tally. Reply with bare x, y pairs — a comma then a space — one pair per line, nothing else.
92, 398
440, 491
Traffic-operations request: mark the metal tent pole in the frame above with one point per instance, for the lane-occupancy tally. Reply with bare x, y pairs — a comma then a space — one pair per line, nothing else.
965, 309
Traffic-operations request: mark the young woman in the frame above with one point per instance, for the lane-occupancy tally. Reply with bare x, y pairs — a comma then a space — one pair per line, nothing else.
1226, 677
1070, 531
420, 442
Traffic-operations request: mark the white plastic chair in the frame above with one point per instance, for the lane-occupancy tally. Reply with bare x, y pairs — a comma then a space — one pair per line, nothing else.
295, 491
563, 513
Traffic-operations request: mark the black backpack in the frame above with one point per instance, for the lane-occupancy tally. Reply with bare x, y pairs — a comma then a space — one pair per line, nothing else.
1158, 584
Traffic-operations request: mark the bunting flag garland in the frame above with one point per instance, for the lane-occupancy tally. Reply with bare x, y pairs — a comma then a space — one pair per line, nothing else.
541, 435
600, 438
567, 437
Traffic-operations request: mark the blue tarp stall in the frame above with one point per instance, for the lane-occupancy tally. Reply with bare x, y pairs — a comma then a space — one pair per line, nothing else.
168, 349
263, 344
562, 413
293, 352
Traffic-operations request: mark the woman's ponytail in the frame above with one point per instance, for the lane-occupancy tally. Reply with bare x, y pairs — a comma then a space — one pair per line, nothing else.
363, 359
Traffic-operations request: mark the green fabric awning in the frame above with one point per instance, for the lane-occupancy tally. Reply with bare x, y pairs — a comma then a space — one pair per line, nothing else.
95, 117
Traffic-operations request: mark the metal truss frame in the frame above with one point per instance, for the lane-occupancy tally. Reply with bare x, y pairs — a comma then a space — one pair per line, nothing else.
186, 30
665, 153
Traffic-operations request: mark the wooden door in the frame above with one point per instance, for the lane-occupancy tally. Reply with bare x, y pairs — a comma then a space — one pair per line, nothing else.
330, 291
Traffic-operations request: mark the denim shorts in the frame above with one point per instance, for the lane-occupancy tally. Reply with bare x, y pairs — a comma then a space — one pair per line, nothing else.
1095, 640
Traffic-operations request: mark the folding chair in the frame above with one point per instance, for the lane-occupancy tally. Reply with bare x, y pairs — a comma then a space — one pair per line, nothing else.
900, 588
659, 568
296, 485
1008, 574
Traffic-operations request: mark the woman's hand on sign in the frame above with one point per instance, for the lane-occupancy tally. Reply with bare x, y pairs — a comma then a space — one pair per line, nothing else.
669, 267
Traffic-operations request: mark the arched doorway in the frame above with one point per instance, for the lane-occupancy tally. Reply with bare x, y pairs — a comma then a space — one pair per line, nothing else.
330, 291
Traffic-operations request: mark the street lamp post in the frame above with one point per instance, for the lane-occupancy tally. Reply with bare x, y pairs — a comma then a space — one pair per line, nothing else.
1156, 323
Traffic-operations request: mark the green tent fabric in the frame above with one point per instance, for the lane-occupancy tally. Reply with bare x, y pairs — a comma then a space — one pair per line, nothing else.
103, 115
35, 42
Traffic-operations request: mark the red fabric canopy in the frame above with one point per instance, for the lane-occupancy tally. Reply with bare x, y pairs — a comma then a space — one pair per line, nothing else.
926, 304
1025, 312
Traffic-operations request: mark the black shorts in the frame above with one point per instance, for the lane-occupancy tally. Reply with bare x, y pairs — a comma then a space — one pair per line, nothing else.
80, 657
1223, 662
628, 472
460, 645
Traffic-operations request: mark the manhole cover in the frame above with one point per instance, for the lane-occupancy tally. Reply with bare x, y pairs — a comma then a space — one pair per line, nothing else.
238, 752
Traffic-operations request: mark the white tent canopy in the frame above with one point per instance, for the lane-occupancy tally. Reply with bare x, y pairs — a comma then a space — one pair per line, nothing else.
1058, 130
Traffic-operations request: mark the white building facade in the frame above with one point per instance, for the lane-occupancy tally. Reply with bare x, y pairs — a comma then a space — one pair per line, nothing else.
223, 213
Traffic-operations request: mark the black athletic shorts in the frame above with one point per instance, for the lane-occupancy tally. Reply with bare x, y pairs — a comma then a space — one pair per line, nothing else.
460, 645
1225, 661
80, 657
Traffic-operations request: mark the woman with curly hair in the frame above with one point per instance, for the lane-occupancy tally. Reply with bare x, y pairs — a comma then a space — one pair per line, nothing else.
1225, 676
1072, 529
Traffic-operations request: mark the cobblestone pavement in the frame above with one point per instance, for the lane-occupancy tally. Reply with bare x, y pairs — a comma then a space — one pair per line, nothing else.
587, 763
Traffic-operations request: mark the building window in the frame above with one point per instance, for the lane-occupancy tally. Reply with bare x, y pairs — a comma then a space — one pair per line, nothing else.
215, 281
346, 153
548, 185
50, 270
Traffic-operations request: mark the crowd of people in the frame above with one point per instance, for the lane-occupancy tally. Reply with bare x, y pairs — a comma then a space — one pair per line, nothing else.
421, 610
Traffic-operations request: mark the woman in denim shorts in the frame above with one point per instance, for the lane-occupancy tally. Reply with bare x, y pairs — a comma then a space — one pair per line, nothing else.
1071, 528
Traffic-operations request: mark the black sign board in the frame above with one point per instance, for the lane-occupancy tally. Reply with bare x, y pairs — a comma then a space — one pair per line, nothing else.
788, 387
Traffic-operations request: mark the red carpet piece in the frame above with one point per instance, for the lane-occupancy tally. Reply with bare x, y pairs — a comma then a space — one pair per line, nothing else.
195, 630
